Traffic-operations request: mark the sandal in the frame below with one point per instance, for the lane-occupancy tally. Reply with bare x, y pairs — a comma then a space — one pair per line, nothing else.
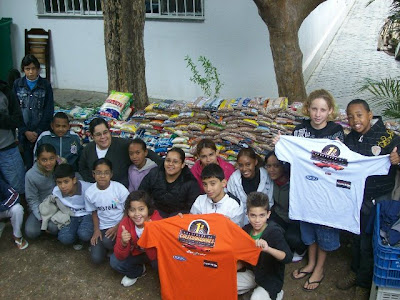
317, 281
299, 271
21, 243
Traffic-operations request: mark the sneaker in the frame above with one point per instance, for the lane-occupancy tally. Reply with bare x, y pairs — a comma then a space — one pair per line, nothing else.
347, 281
77, 247
21, 243
126, 281
2, 225
362, 293
298, 257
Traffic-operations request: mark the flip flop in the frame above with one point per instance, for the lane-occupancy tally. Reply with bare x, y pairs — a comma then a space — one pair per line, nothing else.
299, 271
318, 281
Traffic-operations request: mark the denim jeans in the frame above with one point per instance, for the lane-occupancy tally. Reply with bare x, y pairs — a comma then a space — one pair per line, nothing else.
98, 252
33, 227
80, 228
12, 168
131, 267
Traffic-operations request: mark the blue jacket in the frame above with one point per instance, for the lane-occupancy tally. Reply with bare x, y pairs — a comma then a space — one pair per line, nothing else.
68, 146
37, 105
8, 196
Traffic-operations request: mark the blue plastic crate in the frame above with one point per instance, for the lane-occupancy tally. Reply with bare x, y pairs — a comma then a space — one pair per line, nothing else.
386, 260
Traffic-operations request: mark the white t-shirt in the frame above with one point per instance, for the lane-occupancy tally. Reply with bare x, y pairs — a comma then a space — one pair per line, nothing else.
109, 203
227, 206
76, 203
327, 180
100, 152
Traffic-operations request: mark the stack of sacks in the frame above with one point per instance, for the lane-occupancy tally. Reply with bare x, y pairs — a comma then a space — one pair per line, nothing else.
118, 106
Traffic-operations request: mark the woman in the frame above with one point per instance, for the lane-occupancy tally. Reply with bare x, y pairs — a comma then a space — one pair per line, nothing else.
208, 154
113, 148
279, 173
172, 186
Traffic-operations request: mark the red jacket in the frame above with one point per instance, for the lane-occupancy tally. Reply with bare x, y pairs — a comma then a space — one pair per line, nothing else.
197, 168
132, 248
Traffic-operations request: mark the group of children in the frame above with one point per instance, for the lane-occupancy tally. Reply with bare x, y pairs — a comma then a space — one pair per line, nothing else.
111, 216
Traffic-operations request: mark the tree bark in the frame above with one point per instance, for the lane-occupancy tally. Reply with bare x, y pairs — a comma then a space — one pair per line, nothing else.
283, 19
123, 36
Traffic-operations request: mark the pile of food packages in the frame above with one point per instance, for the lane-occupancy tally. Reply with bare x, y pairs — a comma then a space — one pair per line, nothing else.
231, 123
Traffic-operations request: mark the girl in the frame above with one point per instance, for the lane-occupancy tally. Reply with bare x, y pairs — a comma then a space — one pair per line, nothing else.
172, 186
249, 178
320, 107
128, 257
39, 184
208, 154
279, 173
105, 199
141, 165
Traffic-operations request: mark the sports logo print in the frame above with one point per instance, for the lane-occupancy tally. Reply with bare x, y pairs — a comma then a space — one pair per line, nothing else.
197, 237
329, 158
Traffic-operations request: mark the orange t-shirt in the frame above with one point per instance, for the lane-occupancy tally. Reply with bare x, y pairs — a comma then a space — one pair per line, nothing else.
197, 255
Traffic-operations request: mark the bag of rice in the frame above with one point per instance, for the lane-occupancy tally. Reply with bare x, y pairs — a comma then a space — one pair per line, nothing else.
116, 104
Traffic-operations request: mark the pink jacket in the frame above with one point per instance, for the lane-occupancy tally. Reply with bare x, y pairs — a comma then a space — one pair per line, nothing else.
197, 168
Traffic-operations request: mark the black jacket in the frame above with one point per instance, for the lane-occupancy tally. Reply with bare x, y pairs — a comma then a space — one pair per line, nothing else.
171, 198
386, 140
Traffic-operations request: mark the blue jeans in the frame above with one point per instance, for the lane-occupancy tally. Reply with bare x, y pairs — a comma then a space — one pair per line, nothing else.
80, 228
98, 252
33, 227
12, 168
131, 267
326, 237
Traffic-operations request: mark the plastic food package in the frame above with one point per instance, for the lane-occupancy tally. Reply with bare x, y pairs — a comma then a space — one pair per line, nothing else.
116, 104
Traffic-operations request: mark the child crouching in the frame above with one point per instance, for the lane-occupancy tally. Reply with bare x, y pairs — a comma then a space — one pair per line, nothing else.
268, 275
128, 257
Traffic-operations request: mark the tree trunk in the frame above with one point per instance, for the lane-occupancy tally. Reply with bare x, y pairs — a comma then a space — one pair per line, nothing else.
283, 19
123, 37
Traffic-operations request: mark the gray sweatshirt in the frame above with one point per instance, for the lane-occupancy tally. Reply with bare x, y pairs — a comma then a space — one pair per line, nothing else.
37, 187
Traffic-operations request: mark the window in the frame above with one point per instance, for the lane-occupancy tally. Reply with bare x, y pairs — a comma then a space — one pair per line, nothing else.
155, 9
70, 7
181, 9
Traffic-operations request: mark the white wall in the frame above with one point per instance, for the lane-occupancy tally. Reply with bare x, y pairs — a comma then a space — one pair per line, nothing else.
233, 37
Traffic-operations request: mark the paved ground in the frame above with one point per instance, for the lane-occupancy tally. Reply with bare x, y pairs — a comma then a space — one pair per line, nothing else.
352, 54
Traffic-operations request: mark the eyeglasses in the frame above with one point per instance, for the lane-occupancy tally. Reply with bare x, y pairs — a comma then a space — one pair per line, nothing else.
174, 162
99, 134
100, 173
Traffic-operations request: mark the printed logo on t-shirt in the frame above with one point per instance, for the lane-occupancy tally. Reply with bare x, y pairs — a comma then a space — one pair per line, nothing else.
178, 257
210, 264
114, 203
343, 184
197, 237
329, 158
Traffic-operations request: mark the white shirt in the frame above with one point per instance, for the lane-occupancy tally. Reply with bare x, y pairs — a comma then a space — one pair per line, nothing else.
76, 203
327, 180
100, 152
109, 203
227, 206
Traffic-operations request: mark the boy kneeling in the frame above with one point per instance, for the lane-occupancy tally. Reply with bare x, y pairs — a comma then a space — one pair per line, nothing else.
268, 275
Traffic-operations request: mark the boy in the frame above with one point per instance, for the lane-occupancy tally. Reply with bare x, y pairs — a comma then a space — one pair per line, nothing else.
11, 163
370, 138
267, 276
35, 97
216, 200
71, 193
67, 143
10, 208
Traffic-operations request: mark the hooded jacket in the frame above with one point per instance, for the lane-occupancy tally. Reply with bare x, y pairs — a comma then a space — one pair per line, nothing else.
171, 198
136, 175
10, 117
377, 141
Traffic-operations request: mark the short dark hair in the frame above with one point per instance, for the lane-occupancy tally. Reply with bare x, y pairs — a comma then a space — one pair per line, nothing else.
179, 151
60, 115
102, 161
28, 59
285, 165
95, 122
212, 170
140, 142
140, 196
205, 143
257, 199
64, 170
359, 101
45, 148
